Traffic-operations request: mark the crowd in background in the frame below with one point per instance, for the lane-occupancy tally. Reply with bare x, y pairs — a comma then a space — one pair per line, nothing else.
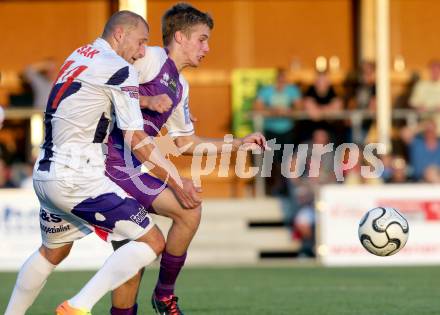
415, 152
16, 162
414, 155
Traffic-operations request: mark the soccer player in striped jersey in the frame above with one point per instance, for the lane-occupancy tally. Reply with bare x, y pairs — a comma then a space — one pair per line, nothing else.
97, 87
165, 102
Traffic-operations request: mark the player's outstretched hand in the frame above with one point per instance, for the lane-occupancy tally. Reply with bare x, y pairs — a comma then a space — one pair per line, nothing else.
158, 103
253, 141
188, 195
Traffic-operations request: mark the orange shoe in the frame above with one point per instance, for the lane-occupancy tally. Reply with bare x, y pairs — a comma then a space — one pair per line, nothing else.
66, 309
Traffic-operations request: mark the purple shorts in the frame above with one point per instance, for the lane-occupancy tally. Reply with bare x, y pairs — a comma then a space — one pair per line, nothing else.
141, 186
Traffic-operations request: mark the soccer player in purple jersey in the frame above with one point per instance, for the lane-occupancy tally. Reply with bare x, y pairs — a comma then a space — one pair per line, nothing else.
97, 86
164, 101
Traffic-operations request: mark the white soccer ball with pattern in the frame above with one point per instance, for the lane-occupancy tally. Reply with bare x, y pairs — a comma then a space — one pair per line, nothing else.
383, 231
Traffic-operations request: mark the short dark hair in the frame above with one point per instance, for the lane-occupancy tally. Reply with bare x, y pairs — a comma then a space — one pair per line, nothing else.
181, 17
122, 18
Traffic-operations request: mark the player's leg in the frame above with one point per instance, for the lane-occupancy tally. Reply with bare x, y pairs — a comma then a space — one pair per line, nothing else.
183, 229
118, 268
150, 191
118, 217
33, 275
125, 296
144, 188
56, 246
184, 226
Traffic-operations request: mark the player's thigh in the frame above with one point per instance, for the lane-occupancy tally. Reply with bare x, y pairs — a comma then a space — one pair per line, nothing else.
113, 214
142, 187
166, 204
58, 226
100, 205
56, 255
154, 238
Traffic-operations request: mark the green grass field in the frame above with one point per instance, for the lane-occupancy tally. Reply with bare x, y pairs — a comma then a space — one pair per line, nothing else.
293, 291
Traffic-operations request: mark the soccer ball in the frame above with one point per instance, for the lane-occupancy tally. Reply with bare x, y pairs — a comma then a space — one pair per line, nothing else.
383, 231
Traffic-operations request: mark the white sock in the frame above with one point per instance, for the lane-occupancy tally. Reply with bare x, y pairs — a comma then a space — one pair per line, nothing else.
123, 264
30, 280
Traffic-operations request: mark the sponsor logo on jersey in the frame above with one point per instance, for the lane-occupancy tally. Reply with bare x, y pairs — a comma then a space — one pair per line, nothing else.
170, 83
54, 229
173, 86
139, 217
133, 91
165, 78
49, 217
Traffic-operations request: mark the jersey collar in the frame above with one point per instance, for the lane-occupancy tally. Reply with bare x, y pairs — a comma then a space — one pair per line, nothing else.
101, 42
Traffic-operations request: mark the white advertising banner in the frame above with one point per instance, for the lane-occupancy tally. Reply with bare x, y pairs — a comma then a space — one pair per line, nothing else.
340, 208
20, 235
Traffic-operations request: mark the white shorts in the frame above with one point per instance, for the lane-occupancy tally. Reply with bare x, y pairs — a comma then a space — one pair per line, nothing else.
71, 209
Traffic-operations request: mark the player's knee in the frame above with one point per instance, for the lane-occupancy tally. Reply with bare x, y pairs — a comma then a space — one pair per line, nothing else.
159, 245
189, 217
55, 255
192, 217
134, 281
155, 239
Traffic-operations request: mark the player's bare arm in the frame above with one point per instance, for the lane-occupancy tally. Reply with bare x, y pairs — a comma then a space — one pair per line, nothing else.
189, 143
159, 103
147, 152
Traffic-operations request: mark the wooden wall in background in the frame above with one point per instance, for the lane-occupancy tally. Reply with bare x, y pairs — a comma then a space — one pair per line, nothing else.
414, 32
32, 30
247, 33
270, 33
260, 34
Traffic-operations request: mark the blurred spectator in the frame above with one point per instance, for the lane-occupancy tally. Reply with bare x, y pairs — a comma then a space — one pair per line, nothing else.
316, 164
321, 99
426, 94
21, 175
403, 99
278, 101
362, 88
304, 221
432, 174
352, 175
41, 76
3, 148
402, 102
4, 175
317, 167
361, 94
13, 139
318, 161
24, 96
395, 169
2, 116
424, 147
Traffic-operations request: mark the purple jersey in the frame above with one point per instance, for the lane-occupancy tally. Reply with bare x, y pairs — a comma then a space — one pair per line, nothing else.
154, 80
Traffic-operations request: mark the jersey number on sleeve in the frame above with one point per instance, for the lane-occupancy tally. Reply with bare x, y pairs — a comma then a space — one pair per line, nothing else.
58, 93
71, 75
